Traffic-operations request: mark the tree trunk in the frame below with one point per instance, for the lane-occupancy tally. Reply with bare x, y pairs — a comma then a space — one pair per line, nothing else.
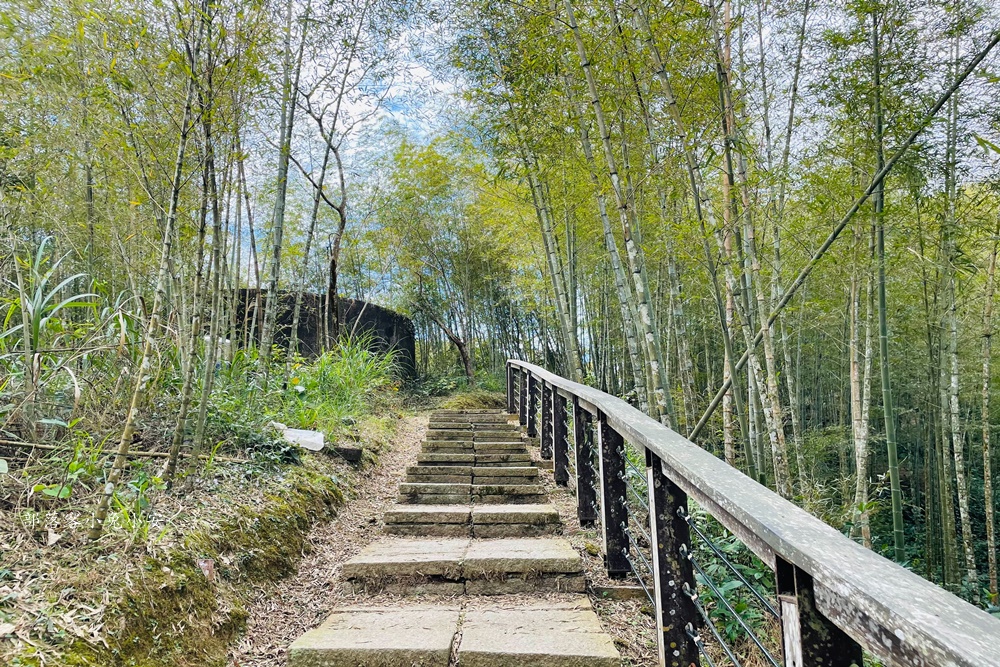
883, 329
145, 373
632, 250
957, 437
991, 545
288, 105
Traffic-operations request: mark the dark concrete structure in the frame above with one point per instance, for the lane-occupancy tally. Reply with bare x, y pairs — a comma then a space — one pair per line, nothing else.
388, 329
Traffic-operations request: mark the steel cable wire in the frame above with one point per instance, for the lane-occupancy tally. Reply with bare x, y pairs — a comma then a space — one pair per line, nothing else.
690, 632
685, 553
711, 545
711, 626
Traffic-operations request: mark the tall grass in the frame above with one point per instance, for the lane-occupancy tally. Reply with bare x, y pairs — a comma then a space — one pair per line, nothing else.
327, 393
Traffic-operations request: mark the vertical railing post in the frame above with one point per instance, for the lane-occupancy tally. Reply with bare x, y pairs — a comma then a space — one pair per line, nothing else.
510, 389
560, 450
522, 390
613, 510
671, 570
586, 475
546, 440
532, 406
809, 638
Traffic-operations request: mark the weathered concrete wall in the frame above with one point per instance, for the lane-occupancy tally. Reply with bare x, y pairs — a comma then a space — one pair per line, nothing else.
389, 329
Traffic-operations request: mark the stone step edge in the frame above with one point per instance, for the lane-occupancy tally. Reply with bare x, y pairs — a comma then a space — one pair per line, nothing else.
569, 632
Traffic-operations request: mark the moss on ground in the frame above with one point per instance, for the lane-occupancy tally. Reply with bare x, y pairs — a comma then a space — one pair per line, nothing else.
172, 615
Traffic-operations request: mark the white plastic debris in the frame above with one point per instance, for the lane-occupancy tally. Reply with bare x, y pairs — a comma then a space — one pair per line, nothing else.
311, 440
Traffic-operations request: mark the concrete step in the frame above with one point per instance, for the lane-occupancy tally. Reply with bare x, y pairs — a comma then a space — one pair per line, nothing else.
499, 447
514, 494
506, 458
444, 459
439, 474
536, 634
448, 448
429, 493
396, 636
447, 493
469, 416
485, 521
429, 520
503, 459
514, 520
450, 426
544, 633
472, 473
449, 434
469, 419
509, 472
492, 434
450, 566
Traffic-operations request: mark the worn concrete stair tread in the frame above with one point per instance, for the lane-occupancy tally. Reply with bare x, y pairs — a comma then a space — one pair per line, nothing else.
450, 514
490, 475
398, 636
454, 558
407, 488
526, 555
438, 470
409, 557
515, 514
507, 489
437, 459
536, 634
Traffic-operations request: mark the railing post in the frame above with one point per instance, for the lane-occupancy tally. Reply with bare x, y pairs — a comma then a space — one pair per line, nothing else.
522, 390
510, 389
613, 510
532, 406
546, 444
586, 477
669, 530
560, 450
809, 638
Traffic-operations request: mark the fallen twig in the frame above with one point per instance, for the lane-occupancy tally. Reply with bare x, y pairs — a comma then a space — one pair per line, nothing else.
150, 455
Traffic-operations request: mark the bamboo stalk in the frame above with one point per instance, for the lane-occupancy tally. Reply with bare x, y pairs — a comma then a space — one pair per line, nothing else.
139, 454
842, 224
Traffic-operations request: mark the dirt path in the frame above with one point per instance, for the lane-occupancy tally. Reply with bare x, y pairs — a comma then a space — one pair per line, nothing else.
281, 613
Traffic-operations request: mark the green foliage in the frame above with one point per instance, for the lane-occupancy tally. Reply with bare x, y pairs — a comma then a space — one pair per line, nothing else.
40, 301
438, 385
744, 602
475, 399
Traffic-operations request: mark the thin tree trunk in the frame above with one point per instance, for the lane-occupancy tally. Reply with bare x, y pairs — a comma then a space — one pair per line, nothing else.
288, 106
293, 340
145, 373
198, 445
991, 545
957, 437
887, 405
187, 387
860, 405
623, 201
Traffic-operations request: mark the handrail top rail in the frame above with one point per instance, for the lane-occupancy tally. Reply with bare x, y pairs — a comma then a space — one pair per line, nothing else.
891, 611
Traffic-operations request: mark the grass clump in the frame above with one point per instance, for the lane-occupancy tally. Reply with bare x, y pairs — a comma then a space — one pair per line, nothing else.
475, 399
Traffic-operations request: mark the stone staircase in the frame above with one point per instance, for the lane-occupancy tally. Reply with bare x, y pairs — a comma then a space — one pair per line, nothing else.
471, 520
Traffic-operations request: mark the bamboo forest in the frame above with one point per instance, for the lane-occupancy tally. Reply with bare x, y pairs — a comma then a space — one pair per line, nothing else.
487, 333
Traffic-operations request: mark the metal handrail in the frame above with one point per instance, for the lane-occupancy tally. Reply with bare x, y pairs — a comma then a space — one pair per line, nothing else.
822, 576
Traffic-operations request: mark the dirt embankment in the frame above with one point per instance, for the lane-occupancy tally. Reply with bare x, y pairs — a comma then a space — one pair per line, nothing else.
196, 577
